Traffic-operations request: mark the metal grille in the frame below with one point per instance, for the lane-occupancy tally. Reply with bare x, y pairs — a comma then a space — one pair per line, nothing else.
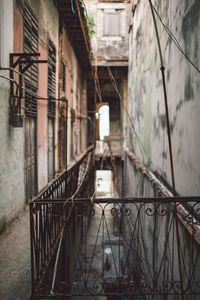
30, 46
51, 79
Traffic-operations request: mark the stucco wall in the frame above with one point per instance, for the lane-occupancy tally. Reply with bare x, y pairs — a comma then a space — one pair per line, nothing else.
145, 91
12, 183
11, 139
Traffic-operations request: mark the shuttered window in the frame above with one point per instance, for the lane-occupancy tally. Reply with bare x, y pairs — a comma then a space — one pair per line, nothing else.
112, 24
31, 85
63, 77
30, 46
51, 79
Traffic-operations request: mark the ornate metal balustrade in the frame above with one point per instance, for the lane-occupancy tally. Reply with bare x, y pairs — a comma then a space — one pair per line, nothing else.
47, 218
137, 247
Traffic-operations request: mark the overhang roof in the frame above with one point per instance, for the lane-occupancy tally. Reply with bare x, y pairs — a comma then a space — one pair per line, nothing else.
72, 15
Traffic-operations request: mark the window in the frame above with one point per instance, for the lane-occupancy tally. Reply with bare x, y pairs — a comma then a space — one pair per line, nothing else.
31, 84
112, 24
51, 108
30, 46
51, 79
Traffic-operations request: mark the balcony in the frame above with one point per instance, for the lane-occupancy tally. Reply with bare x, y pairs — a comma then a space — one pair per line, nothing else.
133, 247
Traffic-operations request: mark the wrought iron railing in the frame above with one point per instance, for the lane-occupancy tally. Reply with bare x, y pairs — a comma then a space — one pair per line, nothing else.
132, 247
47, 217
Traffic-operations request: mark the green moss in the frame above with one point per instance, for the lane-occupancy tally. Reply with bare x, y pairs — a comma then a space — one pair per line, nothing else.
90, 25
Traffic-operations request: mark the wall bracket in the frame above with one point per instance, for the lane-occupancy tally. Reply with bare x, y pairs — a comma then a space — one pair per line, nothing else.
19, 64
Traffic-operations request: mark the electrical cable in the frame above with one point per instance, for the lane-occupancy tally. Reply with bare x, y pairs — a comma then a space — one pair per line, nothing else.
72, 7
8, 78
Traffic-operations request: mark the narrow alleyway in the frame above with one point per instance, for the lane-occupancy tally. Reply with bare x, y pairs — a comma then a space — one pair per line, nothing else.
99, 112
15, 273
96, 263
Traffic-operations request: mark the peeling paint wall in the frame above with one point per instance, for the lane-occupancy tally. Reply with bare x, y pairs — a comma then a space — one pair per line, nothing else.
145, 91
11, 139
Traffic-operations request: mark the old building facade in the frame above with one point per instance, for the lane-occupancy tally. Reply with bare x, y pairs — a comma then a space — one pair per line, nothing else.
49, 130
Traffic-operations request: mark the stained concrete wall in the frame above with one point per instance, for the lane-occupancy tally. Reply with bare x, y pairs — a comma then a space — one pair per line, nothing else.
12, 181
145, 107
11, 139
145, 91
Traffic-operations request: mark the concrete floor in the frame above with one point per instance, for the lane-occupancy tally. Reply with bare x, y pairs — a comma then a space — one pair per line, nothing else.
15, 272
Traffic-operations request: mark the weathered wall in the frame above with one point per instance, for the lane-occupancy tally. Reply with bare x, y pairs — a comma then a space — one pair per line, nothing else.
145, 106
145, 91
109, 44
11, 139
12, 196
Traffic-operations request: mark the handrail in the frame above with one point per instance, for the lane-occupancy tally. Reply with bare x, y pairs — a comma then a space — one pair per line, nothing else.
47, 221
